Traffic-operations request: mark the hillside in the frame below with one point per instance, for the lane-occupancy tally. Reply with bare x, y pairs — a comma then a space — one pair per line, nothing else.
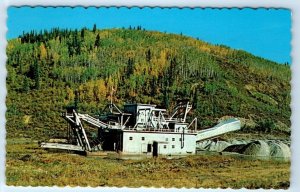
52, 70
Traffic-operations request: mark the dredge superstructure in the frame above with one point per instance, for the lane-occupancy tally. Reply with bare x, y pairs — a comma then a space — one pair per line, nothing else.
140, 129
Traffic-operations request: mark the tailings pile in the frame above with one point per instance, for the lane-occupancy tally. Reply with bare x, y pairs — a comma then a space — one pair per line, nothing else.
259, 148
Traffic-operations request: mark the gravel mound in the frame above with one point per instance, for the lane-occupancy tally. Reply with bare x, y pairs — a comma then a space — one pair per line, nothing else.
287, 142
203, 145
219, 146
256, 148
259, 148
215, 146
279, 149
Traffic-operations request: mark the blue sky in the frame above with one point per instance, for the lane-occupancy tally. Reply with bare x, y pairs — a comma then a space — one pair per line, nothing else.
262, 32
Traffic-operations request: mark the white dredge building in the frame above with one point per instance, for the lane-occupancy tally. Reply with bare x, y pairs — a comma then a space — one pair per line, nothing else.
140, 129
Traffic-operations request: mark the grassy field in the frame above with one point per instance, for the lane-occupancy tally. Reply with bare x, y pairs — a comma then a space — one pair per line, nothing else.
28, 165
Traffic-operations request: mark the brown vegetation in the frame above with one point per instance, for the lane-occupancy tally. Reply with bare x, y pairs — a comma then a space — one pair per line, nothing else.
27, 164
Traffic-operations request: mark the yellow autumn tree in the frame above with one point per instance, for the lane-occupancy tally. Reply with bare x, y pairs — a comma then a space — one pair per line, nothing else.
99, 90
43, 51
89, 91
70, 95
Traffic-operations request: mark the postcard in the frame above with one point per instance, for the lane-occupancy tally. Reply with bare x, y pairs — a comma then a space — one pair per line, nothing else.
148, 97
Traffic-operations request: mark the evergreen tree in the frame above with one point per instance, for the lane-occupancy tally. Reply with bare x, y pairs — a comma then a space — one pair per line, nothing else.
166, 98
171, 72
153, 86
94, 28
36, 74
97, 41
148, 56
82, 33
77, 45
26, 86
130, 67
195, 99
76, 100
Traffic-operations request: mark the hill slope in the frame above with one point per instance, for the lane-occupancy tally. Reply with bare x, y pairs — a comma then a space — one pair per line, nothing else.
51, 70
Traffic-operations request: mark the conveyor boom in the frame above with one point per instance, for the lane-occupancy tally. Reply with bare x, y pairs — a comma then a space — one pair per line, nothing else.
220, 129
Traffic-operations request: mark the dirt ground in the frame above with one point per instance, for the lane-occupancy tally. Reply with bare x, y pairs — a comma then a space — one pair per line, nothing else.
27, 164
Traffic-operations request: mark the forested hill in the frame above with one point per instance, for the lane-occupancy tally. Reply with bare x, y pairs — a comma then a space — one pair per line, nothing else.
51, 70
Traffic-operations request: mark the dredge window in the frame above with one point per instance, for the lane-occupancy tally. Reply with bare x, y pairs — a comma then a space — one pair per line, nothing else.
143, 138
130, 138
